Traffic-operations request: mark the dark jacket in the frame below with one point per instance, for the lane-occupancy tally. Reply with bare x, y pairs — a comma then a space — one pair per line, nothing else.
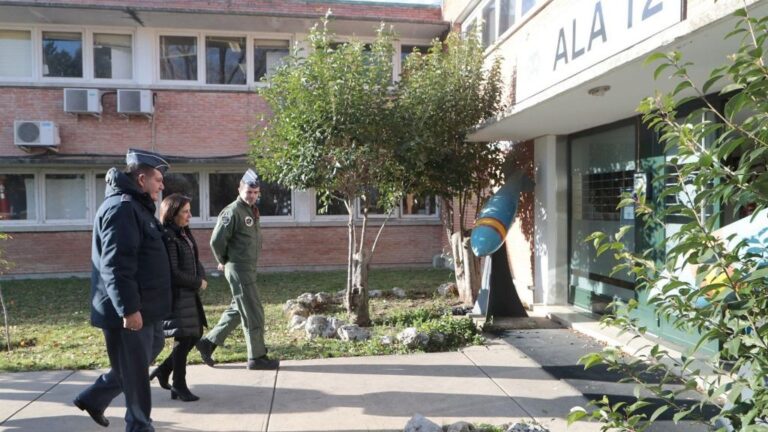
187, 273
130, 264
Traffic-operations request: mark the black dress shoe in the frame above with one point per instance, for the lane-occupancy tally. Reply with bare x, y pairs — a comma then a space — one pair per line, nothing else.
162, 377
206, 348
263, 363
184, 394
97, 416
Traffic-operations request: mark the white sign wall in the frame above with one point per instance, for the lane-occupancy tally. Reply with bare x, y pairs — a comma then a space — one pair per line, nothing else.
573, 35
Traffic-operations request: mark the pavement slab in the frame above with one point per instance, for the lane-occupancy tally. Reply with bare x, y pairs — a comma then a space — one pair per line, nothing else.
17, 390
382, 393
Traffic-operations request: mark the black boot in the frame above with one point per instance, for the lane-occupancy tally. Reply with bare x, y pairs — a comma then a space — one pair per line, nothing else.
263, 363
206, 349
97, 416
181, 391
162, 374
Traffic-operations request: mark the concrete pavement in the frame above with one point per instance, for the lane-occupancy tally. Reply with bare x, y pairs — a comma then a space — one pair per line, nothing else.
492, 384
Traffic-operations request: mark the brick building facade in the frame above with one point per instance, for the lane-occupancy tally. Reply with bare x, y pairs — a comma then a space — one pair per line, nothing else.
202, 63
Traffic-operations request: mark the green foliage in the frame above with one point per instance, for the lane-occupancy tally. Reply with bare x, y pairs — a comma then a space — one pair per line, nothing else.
412, 317
716, 159
456, 332
332, 124
444, 93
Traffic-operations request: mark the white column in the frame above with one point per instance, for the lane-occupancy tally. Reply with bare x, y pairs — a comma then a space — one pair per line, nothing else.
551, 220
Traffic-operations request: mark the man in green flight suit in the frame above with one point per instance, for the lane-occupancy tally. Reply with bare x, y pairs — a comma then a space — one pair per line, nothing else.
236, 242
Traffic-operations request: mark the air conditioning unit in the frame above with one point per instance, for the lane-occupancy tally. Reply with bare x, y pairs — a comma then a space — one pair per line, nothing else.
82, 101
35, 134
135, 102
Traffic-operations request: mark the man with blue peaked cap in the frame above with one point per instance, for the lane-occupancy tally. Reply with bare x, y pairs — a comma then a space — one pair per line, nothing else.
236, 243
130, 288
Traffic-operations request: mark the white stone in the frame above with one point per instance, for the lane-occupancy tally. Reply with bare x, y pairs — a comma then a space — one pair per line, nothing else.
385, 340
461, 426
323, 299
525, 427
398, 292
448, 289
297, 322
412, 338
333, 327
306, 299
419, 423
352, 332
316, 326
374, 294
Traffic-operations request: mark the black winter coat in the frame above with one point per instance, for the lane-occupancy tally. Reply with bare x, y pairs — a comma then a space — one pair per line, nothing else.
130, 269
187, 273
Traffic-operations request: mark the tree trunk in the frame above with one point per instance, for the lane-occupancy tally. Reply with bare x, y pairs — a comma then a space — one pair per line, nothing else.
467, 269
357, 296
5, 319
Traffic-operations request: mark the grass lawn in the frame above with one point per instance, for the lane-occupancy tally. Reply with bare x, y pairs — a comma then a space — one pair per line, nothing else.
50, 326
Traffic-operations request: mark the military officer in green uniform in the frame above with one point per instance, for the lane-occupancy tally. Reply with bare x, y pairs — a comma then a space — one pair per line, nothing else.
236, 243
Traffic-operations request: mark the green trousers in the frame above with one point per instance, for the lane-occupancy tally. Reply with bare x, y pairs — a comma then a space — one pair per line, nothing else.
245, 309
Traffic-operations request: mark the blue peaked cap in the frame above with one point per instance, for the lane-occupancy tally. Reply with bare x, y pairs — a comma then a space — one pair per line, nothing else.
251, 178
144, 157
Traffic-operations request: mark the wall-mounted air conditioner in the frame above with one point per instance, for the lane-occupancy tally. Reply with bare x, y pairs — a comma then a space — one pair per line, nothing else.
82, 101
135, 102
35, 133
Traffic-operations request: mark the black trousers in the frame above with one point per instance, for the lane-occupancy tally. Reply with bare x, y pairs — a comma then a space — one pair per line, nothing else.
130, 354
177, 360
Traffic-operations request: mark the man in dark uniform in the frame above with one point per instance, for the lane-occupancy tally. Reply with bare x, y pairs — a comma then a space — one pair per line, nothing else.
236, 243
130, 288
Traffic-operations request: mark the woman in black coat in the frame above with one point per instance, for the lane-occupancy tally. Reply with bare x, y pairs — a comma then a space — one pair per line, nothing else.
187, 318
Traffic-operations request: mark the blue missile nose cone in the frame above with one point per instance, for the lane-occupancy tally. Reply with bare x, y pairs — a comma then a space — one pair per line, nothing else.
485, 240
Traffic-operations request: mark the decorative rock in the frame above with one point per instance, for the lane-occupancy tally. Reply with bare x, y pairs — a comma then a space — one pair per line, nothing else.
374, 294
448, 289
385, 340
398, 292
297, 322
412, 338
323, 299
307, 300
333, 327
296, 309
288, 305
352, 332
461, 426
419, 423
437, 338
316, 326
525, 427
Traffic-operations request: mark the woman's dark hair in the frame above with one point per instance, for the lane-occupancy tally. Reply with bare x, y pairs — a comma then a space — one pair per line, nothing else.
171, 206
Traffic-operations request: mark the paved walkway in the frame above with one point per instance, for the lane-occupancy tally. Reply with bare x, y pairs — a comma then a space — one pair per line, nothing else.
493, 384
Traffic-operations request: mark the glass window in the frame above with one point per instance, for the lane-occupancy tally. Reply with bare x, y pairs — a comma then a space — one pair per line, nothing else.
267, 56
528, 5
225, 60
184, 183
419, 205
112, 56
405, 50
65, 196
506, 15
99, 191
334, 206
275, 200
489, 23
178, 58
15, 53
62, 54
602, 168
222, 190
372, 203
17, 197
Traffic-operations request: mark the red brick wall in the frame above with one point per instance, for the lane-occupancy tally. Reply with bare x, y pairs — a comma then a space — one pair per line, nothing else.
69, 252
186, 123
266, 7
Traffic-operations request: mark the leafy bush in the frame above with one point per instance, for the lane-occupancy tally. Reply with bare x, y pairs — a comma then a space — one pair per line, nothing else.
411, 317
716, 160
457, 332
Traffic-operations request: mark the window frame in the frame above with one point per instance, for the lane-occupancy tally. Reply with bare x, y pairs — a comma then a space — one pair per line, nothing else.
476, 16
85, 56
315, 216
200, 174
435, 216
88, 177
92, 67
36, 55
206, 199
200, 80
251, 79
36, 187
